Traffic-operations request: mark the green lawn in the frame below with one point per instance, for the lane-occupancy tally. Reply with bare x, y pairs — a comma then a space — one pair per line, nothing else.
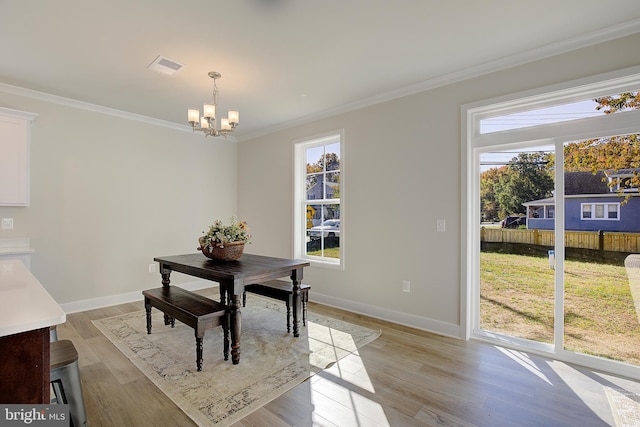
600, 315
329, 253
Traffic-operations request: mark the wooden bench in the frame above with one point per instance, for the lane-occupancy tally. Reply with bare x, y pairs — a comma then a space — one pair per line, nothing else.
282, 291
196, 311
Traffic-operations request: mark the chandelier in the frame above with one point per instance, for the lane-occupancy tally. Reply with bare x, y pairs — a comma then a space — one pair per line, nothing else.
207, 122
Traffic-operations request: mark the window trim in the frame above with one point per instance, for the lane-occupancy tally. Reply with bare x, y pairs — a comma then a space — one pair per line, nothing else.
556, 134
300, 201
605, 217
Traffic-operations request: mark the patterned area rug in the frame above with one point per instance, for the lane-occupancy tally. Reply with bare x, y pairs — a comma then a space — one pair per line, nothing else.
271, 361
625, 406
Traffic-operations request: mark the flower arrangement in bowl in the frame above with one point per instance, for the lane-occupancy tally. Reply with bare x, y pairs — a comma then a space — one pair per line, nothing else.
225, 242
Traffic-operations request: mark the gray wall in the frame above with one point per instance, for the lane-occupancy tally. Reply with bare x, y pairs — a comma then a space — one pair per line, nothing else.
108, 194
402, 171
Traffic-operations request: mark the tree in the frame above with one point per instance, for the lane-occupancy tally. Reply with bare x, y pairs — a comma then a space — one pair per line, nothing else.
329, 163
609, 154
525, 179
489, 206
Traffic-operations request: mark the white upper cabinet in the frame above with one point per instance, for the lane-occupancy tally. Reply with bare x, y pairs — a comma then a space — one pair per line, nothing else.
14, 156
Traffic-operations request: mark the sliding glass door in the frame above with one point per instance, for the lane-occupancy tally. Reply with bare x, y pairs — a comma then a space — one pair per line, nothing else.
553, 254
601, 236
516, 281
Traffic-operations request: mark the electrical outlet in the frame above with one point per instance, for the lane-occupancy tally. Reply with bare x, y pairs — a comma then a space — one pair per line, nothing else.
406, 286
152, 268
440, 225
7, 223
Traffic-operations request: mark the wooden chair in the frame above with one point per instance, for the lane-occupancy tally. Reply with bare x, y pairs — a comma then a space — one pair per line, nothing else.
283, 291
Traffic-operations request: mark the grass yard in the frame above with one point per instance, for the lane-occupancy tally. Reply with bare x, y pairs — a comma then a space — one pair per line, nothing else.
328, 252
517, 298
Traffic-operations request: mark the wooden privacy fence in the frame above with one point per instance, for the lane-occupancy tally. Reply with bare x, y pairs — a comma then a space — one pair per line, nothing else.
597, 240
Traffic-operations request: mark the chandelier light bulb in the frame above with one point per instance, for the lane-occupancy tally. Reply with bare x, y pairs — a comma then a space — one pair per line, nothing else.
208, 122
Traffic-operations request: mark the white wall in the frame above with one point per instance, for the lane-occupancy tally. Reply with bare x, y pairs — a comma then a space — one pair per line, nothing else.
402, 171
108, 194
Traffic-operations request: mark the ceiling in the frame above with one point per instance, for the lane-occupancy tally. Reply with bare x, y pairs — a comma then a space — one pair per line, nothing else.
282, 61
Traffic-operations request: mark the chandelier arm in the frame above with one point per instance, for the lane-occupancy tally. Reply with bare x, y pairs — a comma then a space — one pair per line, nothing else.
211, 128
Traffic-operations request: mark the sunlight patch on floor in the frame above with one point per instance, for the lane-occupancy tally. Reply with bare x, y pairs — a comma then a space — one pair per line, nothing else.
525, 361
340, 405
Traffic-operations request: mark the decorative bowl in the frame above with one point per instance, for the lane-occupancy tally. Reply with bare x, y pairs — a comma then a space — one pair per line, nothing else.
230, 252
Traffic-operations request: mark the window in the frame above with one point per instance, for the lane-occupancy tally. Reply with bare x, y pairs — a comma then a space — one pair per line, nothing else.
318, 191
604, 211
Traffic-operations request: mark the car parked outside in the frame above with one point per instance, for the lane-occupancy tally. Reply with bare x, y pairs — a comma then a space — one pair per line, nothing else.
329, 228
514, 222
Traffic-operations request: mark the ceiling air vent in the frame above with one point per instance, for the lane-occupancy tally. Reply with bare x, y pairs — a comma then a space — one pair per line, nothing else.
164, 65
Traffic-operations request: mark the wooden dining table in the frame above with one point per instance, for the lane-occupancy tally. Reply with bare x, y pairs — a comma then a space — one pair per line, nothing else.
233, 276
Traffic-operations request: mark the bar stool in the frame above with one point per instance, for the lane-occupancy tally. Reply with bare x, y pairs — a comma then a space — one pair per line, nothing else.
65, 380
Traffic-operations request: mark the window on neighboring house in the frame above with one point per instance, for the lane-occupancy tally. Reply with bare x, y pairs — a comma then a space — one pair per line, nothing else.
600, 211
626, 185
551, 212
318, 191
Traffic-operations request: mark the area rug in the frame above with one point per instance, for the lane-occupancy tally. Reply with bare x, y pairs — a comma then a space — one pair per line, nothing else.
625, 406
271, 361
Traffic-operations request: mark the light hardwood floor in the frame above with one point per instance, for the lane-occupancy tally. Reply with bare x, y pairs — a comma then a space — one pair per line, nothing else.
406, 377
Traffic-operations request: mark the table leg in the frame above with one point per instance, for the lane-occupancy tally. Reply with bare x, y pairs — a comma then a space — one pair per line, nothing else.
223, 299
147, 307
296, 279
166, 281
235, 320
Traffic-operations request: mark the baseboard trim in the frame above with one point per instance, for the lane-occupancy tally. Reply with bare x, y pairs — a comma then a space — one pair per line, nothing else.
410, 320
101, 302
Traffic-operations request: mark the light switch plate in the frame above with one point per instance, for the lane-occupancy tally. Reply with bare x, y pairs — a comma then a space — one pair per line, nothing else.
7, 223
440, 225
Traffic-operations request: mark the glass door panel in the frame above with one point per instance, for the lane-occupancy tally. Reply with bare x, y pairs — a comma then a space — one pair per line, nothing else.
517, 233
602, 234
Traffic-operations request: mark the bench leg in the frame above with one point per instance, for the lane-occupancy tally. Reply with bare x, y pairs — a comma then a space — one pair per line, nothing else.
288, 304
199, 341
147, 306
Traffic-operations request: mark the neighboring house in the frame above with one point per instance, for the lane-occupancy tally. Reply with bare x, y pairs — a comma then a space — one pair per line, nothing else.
316, 192
590, 204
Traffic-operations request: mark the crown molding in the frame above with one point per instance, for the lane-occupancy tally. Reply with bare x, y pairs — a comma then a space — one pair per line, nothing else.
600, 36
74, 103
589, 39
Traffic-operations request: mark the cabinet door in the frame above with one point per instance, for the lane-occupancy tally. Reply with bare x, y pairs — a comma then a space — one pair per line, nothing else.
14, 161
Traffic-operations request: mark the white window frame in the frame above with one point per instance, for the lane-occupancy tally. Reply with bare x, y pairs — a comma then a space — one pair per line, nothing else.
556, 134
300, 198
605, 216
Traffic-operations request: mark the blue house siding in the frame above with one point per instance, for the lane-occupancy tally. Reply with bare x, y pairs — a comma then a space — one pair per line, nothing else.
629, 216
540, 223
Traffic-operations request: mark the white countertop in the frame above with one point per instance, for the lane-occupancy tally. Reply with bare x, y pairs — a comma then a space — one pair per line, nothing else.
15, 246
25, 304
